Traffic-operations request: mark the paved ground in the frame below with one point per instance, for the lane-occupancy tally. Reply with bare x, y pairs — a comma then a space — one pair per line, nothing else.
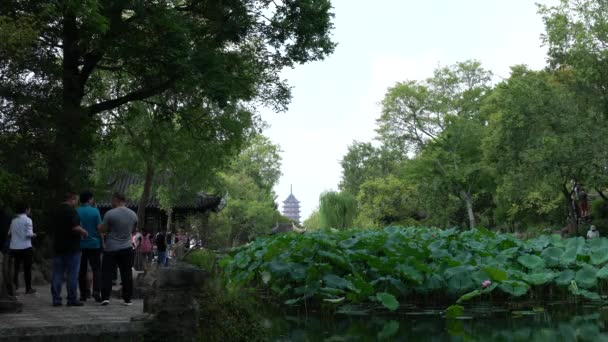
39, 318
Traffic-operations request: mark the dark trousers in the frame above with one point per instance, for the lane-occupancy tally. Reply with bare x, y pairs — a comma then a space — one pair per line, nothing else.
90, 257
124, 260
25, 257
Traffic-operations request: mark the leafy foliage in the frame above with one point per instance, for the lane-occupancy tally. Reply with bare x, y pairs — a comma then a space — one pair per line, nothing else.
337, 209
399, 265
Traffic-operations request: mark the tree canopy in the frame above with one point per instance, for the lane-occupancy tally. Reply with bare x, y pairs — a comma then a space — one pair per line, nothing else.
65, 66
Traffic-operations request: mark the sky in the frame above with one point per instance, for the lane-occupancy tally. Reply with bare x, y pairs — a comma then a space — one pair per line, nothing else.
381, 42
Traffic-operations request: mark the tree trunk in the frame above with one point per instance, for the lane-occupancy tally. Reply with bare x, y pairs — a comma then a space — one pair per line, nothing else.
145, 196
70, 133
169, 214
466, 197
572, 219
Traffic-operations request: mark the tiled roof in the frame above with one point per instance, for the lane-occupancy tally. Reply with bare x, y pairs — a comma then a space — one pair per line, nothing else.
291, 199
122, 183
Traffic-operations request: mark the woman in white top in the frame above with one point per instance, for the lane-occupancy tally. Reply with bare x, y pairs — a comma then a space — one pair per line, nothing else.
21, 233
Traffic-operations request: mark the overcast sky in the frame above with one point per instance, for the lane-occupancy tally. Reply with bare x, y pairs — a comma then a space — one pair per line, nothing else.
381, 42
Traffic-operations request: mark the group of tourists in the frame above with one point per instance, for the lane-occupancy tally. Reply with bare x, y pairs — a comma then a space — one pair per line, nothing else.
81, 239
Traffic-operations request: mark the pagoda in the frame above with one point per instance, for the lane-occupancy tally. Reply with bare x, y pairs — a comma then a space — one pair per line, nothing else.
291, 207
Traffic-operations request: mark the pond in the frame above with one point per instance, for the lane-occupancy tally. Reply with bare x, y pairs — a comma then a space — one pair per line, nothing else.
555, 322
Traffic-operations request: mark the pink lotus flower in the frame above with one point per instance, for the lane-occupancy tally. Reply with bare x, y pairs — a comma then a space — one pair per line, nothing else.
486, 283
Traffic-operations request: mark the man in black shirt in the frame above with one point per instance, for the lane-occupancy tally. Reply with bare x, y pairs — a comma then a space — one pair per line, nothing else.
67, 233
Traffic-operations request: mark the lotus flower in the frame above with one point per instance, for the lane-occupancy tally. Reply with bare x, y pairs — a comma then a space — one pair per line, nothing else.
486, 283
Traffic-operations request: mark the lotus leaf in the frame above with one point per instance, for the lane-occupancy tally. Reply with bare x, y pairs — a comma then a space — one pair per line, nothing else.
531, 261
388, 300
514, 288
540, 277
586, 277
565, 277
552, 256
454, 311
496, 274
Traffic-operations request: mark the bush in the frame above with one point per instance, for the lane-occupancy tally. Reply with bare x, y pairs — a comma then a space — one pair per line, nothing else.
226, 314
599, 214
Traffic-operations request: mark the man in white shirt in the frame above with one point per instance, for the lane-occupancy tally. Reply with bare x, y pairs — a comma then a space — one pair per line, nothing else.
593, 233
21, 232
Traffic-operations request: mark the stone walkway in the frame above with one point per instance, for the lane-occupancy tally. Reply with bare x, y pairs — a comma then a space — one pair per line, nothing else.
39, 321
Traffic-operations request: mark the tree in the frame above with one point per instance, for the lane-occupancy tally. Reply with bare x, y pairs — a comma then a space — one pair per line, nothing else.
337, 210
440, 120
80, 59
576, 34
313, 222
179, 143
543, 139
248, 180
363, 161
387, 201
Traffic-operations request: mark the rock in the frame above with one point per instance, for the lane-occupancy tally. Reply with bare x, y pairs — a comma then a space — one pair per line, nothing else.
181, 276
8, 303
172, 300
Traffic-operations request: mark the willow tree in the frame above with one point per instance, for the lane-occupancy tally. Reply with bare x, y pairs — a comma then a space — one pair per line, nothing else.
80, 59
337, 210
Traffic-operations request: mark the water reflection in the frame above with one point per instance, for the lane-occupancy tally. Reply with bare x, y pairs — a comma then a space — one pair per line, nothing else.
552, 323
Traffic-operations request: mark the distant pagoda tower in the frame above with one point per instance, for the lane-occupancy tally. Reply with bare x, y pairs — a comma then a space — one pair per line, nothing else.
291, 207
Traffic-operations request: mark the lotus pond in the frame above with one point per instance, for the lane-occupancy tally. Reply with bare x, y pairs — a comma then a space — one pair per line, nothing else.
427, 284
343, 271
554, 322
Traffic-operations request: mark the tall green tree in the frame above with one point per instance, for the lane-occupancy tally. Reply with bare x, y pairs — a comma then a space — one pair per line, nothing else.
248, 180
440, 120
79, 59
173, 146
576, 34
364, 161
543, 139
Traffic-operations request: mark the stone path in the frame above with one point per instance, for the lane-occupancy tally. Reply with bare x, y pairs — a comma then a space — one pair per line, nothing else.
40, 321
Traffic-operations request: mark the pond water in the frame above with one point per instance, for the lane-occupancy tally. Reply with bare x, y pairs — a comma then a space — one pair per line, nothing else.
555, 322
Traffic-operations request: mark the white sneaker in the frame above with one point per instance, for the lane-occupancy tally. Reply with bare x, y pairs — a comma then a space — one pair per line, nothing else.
105, 302
125, 303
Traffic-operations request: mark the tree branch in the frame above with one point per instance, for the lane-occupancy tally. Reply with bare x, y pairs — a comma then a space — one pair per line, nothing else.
136, 95
601, 193
90, 62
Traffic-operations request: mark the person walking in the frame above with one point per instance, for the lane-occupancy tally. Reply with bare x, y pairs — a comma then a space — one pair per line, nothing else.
21, 232
118, 223
67, 233
90, 219
161, 248
146, 249
136, 243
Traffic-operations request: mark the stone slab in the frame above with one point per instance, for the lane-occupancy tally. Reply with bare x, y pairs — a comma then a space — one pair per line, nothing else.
40, 321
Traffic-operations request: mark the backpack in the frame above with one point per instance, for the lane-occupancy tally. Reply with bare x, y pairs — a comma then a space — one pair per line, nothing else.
146, 244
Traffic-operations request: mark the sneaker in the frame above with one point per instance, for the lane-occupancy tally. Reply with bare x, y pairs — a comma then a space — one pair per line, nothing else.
97, 298
76, 304
105, 302
57, 304
30, 291
127, 303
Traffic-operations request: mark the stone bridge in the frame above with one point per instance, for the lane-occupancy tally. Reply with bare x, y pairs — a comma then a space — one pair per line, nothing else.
167, 311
